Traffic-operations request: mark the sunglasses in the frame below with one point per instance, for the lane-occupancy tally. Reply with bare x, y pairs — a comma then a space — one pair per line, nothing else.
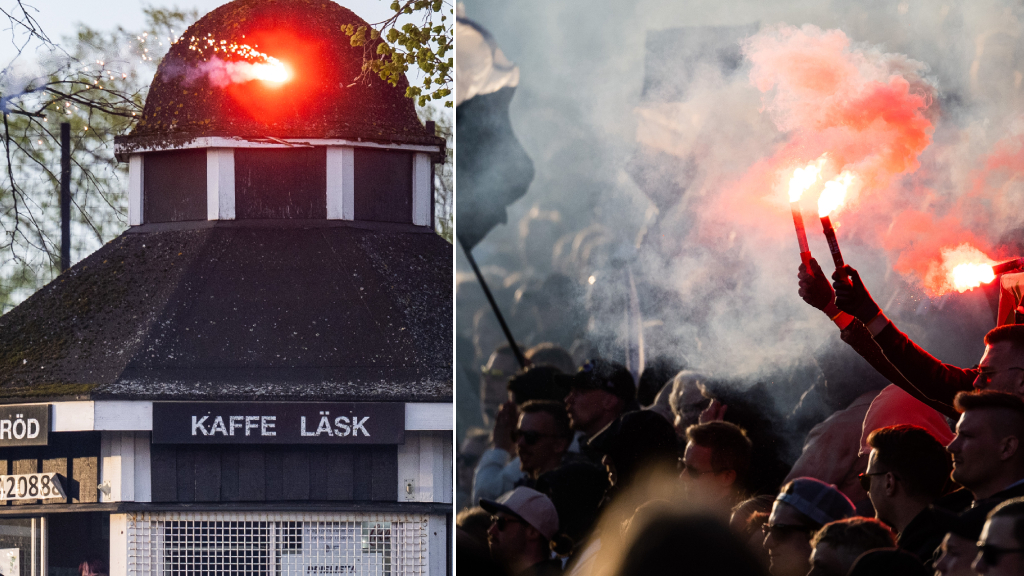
693, 472
865, 479
783, 531
529, 437
502, 522
991, 555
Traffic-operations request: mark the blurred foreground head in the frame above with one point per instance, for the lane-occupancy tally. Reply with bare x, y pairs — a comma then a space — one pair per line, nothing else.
691, 545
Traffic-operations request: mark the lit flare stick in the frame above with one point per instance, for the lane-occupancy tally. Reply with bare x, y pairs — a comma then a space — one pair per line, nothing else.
803, 178
831, 198
801, 235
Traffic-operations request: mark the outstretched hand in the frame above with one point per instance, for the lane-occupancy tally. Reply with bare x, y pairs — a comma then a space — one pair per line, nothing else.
814, 286
852, 296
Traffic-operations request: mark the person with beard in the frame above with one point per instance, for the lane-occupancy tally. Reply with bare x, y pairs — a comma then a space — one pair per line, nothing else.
801, 509
600, 392
523, 522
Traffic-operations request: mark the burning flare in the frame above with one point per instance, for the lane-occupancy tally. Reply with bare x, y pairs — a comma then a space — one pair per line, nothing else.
804, 178
834, 194
967, 267
223, 68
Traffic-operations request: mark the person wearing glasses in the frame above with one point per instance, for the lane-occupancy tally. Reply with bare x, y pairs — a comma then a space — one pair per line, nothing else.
523, 522
542, 437
907, 472
1001, 367
800, 510
715, 464
1001, 548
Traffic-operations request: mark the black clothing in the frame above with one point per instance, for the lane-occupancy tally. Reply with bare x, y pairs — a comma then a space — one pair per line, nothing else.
922, 536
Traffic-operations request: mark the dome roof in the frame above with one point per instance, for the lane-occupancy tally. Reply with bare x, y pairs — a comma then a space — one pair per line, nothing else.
205, 85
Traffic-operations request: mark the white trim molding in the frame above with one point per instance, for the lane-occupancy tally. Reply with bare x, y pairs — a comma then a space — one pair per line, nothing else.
237, 142
136, 178
421, 189
220, 184
341, 178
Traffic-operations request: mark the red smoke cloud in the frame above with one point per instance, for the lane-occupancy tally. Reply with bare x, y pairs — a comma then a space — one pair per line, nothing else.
870, 113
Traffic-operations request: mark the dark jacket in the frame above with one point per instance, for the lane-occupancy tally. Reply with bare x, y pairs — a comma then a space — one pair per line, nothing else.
922, 375
922, 536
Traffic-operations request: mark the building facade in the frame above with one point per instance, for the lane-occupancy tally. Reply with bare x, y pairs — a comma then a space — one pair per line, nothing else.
256, 377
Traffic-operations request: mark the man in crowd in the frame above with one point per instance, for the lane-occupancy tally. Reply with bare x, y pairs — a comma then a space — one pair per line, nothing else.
523, 522
907, 472
716, 462
837, 545
541, 440
803, 507
988, 458
542, 436
1001, 548
600, 392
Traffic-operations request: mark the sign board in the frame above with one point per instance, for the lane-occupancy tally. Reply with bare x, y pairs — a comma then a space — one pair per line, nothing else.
24, 425
31, 487
278, 423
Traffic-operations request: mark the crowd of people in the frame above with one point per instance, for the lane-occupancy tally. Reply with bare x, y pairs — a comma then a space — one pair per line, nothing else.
583, 467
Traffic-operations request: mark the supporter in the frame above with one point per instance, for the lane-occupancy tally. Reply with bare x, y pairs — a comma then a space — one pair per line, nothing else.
959, 547
907, 471
803, 507
988, 459
522, 524
542, 437
640, 441
499, 469
716, 462
600, 392
838, 544
1001, 548
541, 440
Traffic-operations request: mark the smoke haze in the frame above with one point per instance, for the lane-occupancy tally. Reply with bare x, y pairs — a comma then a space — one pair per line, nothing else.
669, 130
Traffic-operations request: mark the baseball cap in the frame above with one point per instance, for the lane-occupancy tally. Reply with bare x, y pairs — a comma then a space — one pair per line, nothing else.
611, 377
534, 508
821, 502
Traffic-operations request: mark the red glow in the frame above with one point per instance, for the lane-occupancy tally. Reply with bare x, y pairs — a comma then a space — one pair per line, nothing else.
274, 98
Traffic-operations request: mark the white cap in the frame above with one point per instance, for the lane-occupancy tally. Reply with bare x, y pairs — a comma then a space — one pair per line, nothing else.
534, 508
